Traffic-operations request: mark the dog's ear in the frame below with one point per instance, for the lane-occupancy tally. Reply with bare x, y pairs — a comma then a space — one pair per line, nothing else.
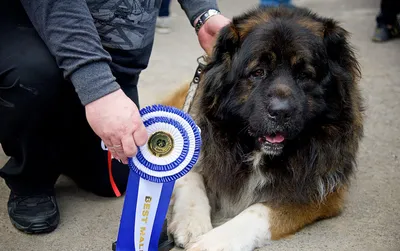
218, 66
344, 73
340, 52
227, 43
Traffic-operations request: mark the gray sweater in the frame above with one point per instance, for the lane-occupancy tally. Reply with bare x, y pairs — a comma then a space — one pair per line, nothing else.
76, 32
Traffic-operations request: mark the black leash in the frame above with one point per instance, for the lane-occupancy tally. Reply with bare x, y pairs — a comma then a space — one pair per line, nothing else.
194, 84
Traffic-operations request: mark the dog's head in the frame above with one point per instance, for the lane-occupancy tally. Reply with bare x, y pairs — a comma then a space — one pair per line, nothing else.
275, 71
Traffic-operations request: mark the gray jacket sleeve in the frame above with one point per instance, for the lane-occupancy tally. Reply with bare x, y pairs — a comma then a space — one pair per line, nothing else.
194, 8
67, 28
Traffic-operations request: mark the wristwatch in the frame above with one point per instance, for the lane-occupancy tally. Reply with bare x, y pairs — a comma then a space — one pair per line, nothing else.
204, 17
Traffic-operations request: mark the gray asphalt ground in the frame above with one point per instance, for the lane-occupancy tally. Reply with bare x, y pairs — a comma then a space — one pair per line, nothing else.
371, 219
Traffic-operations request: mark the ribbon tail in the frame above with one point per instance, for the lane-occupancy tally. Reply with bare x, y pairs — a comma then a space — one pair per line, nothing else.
144, 212
125, 240
161, 214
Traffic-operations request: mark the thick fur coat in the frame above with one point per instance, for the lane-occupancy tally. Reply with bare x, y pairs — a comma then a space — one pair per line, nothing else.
281, 117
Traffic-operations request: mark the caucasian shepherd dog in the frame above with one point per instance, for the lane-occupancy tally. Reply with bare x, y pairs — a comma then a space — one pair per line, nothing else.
281, 117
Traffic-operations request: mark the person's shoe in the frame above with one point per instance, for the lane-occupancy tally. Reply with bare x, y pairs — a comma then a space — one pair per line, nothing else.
163, 25
34, 214
385, 33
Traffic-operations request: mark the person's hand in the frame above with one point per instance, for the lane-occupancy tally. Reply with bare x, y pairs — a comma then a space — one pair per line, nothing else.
209, 31
116, 120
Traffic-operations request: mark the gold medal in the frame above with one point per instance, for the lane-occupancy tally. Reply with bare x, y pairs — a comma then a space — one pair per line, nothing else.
160, 144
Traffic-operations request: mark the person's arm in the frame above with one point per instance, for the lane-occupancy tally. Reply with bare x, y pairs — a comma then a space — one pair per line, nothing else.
208, 32
67, 28
194, 8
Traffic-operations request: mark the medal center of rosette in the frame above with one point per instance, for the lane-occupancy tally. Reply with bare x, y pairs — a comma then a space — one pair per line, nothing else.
161, 144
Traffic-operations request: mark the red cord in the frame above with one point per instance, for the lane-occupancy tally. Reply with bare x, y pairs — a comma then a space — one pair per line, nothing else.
113, 185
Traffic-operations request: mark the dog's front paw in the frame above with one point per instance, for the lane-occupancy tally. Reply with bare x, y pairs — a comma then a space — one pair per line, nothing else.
186, 228
220, 239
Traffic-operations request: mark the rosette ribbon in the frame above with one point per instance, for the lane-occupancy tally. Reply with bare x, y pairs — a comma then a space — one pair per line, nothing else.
172, 150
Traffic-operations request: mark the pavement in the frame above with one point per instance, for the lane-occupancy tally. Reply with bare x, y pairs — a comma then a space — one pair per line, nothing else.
371, 219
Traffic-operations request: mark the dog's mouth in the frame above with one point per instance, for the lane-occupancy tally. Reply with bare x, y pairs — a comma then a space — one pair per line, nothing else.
271, 144
274, 138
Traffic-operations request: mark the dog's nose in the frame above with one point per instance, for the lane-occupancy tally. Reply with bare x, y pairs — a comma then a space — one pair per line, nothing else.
279, 109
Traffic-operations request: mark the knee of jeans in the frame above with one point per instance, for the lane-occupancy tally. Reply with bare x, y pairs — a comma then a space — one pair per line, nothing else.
32, 79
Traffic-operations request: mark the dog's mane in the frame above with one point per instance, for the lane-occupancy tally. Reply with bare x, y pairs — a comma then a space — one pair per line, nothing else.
324, 157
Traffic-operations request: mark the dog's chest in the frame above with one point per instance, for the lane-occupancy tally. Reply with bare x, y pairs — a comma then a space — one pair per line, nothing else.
225, 206
232, 189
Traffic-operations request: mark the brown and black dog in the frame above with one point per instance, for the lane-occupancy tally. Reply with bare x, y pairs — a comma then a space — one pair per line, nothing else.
281, 117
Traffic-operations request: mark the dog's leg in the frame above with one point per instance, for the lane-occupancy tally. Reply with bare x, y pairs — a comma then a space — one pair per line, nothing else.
246, 231
257, 225
189, 210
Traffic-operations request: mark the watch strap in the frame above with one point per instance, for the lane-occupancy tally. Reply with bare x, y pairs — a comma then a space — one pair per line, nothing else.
204, 17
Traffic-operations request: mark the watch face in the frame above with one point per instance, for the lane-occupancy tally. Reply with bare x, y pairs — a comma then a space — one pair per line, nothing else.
208, 14
212, 12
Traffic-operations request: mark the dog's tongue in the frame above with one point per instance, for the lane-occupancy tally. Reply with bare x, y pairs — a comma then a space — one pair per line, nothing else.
277, 138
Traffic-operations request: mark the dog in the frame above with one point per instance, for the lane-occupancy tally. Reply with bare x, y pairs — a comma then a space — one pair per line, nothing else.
281, 118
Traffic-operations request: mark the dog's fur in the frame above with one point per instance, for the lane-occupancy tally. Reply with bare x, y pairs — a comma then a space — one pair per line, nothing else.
244, 191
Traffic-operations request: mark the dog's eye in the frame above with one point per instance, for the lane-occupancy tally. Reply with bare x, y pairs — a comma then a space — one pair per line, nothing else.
304, 75
259, 73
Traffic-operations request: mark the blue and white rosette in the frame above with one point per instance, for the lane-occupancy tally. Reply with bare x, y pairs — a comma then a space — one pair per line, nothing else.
171, 151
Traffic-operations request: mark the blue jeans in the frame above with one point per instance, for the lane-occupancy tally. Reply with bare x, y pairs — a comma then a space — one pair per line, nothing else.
164, 8
275, 2
389, 9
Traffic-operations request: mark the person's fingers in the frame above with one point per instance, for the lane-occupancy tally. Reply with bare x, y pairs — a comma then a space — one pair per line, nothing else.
113, 153
140, 135
108, 144
209, 50
111, 149
129, 145
119, 150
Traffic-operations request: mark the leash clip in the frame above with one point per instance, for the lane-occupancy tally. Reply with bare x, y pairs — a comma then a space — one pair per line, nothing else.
202, 62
